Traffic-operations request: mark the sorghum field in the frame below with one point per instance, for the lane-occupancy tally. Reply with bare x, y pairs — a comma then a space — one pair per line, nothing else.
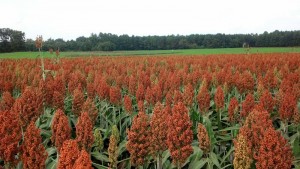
216, 111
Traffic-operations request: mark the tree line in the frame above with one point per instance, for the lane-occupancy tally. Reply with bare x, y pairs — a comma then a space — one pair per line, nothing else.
12, 40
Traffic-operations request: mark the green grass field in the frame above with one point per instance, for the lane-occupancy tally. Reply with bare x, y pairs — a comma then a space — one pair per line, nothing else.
16, 55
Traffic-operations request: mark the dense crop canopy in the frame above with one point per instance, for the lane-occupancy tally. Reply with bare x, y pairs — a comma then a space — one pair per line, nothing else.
215, 111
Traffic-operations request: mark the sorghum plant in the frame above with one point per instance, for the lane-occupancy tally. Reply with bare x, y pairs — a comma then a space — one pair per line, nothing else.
203, 138
69, 153
203, 98
233, 110
242, 153
274, 151
180, 135
128, 104
61, 130
11, 134
84, 132
158, 136
34, 154
89, 107
247, 105
83, 161
138, 139
113, 151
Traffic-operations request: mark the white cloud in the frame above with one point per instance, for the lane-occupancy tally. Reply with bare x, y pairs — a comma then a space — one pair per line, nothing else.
70, 19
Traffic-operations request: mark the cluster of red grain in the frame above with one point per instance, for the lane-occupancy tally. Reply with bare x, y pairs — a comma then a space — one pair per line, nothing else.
268, 84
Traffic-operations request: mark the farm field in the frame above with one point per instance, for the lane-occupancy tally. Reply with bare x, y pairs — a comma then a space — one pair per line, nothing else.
230, 110
15, 55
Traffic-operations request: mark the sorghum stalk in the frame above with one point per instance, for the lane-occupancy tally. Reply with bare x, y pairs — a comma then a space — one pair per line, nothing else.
39, 45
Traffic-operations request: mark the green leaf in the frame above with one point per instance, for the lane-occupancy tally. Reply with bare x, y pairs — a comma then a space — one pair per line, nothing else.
194, 116
198, 164
107, 120
121, 116
46, 141
165, 156
214, 159
38, 122
51, 165
73, 120
226, 166
230, 128
195, 158
227, 155
125, 123
296, 147
122, 147
19, 166
224, 138
46, 133
294, 137
98, 166
210, 130
51, 151
97, 155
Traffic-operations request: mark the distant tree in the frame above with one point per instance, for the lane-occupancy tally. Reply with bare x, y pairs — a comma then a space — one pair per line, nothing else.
11, 40
5, 45
30, 45
105, 46
183, 44
71, 45
17, 40
83, 44
60, 44
48, 44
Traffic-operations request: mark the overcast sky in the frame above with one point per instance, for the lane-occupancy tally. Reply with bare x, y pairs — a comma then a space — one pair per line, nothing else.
69, 19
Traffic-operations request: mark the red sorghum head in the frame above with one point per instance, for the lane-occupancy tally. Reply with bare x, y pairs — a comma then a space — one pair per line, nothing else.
159, 127
128, 104
29, 106
242, 153
78, 100
203, 138
11, 134
188, 95
7, 101
90, 108
266, 101
115, 95
180, 134
140, 93
113, 151
61, 130
138, 139
157, 93
69, 153
203, 99
83, 161
141, 106
219, 98
254, 127
233, 110
84, 132
58, 100
34, 154
287, 108
149, 96
274, 151
247, 105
